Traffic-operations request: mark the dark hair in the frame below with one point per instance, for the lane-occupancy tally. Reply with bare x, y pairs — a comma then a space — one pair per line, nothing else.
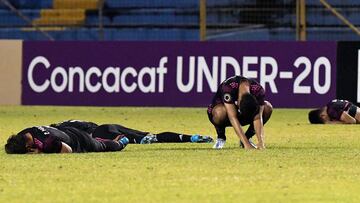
314, 116
249, 106
16, 144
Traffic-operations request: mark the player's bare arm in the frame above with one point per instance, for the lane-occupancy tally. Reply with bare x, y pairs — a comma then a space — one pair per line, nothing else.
259, 128
231, 112
345, 118
65, 148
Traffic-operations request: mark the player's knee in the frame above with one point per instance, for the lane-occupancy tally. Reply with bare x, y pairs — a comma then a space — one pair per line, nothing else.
268, 108
219, 115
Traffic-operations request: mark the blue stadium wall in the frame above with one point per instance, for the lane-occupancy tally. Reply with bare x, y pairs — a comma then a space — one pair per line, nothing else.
178, 20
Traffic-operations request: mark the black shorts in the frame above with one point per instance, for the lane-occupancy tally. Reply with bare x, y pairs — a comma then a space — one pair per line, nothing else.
352, 110
243, 119
111, 131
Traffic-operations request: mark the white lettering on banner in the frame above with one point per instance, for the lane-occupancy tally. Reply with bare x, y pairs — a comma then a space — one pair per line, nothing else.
192, 74
247, 61
116, 73
37, 60
228, 60
64, 79
322, 61
298, 89
127, 71
179, 74
92, 71
203, 68
80, 72
306, 89
147, 71
211, 77
161, 71
270, 79
94, 79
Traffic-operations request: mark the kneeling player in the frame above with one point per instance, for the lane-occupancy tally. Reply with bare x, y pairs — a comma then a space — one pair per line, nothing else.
336, 112
240, 101
64, 139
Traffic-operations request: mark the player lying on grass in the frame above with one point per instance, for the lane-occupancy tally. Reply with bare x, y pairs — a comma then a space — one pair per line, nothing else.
112, 131
64, 139
240, 101
336, 112
82, 136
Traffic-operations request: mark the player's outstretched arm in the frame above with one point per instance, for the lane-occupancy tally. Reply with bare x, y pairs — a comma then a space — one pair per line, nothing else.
232, 115
65, 148
259, 129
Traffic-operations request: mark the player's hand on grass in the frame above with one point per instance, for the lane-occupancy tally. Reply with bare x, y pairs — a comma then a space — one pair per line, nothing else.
260, 146
249, 147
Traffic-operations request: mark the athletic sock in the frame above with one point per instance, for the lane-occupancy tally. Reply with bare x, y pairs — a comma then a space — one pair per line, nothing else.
173, 137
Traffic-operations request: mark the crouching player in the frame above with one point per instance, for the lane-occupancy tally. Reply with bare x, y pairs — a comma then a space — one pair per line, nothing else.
240, 101
336, 112
65, 139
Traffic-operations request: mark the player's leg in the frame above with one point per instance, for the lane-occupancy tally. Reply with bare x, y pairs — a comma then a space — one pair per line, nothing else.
84, 142
218, 117
250, 132
177, 137
104, 145
111, 131
354, 111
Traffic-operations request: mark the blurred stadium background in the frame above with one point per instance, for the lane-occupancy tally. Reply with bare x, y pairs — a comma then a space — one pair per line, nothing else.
180, 20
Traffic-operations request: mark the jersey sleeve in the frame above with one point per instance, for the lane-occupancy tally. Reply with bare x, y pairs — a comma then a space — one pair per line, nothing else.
228, 94
335, 109
259, 93
52, 144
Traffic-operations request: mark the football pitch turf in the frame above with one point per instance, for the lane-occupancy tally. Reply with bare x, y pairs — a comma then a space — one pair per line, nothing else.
302, 162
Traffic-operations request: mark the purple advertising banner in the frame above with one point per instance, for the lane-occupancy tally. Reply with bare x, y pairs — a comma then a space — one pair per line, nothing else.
180, 74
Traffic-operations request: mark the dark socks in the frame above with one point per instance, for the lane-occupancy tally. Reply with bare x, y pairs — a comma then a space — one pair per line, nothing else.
220, 132
173, 137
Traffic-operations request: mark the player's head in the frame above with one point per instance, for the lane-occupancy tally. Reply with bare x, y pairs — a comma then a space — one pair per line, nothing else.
315, 116
249, 105
16, 144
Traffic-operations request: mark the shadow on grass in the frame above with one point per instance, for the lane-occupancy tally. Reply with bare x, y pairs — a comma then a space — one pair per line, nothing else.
309, 147
231, 148
167, 148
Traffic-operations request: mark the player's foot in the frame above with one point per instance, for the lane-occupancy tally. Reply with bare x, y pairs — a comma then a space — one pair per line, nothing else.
251, 142
219, 144
148, 139
124, 141
201, 139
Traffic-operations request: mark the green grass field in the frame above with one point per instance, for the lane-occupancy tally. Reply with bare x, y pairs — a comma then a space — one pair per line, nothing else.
302, 162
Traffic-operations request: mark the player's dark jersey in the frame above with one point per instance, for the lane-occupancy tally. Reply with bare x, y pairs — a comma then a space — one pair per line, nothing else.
228, 91
336, 107
86, 126
48, 139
